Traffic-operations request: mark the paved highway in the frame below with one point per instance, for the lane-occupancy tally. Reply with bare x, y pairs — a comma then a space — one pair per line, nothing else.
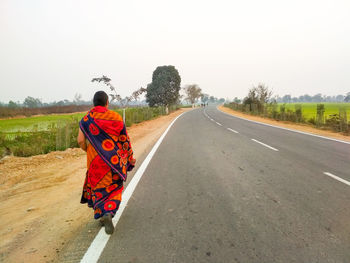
223, 189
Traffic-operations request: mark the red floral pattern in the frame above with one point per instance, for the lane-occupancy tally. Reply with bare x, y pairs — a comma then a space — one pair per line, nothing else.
108, 145
93, 129
110, 205
115, 159
122, 138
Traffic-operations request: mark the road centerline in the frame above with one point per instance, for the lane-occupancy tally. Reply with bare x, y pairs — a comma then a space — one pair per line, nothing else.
218, 123
337, 178
264, 144
232, 130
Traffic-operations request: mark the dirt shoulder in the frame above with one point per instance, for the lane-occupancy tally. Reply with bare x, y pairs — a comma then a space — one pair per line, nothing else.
40, 197
288, 125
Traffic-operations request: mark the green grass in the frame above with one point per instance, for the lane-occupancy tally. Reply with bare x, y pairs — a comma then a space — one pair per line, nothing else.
38, 123
309, 110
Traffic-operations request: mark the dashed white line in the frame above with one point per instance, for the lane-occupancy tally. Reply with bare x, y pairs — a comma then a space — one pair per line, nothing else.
232, 130
287, 129
337, 178
268, 146
218, 123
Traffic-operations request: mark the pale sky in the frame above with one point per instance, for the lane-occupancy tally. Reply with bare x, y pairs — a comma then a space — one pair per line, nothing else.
52, 49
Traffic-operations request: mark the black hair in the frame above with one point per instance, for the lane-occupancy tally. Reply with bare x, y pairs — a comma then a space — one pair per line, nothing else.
100, 98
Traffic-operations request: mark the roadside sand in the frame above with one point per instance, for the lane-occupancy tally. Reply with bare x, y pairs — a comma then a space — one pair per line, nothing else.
289, 125
40, 197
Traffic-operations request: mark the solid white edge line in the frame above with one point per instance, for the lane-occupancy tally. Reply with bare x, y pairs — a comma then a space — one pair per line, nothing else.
287, 129
337, 178
218, 123
232, 130
96, 247
268, 146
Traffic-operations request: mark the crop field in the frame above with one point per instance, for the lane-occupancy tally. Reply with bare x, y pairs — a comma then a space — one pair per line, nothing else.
309, 110
36, 123
46, 133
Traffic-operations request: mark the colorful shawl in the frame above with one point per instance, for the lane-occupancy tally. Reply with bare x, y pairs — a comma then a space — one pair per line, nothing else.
109, 157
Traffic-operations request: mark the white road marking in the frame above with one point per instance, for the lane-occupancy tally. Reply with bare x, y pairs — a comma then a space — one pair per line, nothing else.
337, 178
287, 129
268, 146
218, 123
94, 251
232, 130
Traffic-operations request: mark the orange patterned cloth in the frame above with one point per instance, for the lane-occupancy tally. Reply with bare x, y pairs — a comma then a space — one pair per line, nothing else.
103, 185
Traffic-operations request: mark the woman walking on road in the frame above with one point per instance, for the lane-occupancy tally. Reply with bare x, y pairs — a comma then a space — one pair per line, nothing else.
103, 136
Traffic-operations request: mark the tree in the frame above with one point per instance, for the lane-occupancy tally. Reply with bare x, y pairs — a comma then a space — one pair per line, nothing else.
204, 98
287, 98
347, 98
259, 95
212, 99
107, 82
252, 97
317, 98
295, 99
193, 92
237, 100
307, 98
264, 94
164, 88
12, 104
137, 93
339, 98
77, 98
31, 102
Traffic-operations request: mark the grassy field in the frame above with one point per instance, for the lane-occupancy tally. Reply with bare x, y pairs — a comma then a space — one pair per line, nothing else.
309, 110
44, 122
46, 133
37, 123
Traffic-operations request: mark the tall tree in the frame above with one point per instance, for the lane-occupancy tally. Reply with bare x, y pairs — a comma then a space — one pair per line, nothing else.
164, 88
193, 92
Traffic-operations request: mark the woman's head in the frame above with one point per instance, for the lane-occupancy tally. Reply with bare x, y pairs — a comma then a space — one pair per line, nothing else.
100, 99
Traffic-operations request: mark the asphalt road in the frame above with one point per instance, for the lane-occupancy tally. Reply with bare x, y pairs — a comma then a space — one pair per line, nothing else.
229, 190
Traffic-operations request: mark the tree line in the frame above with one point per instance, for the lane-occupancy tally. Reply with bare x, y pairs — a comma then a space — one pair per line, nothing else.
261, 94
315, 98
164, 90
